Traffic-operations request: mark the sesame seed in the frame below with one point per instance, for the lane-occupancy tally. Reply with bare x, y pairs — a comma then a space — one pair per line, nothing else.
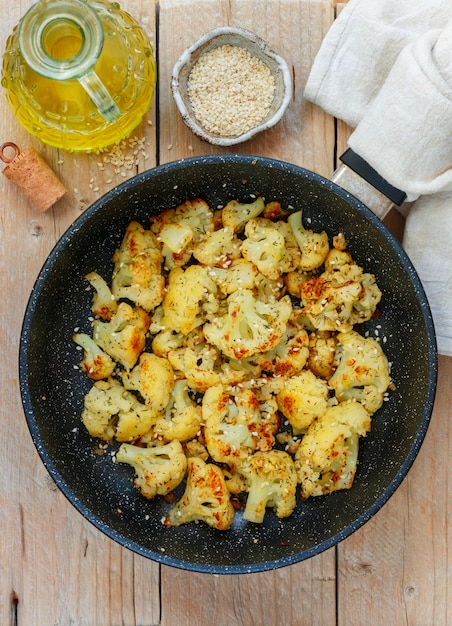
230, 90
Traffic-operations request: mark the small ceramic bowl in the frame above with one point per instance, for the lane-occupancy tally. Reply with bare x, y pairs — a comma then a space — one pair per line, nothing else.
257, 48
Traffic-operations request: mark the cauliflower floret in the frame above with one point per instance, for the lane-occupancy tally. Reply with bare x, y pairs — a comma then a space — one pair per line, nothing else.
110, 411
264, 246
206, 498
165, 341
327, 457
137, 271
158, 469
181, 229
292, 255
182, 416
250, 326
273, 210
294, 281
218, 248
241, 274
271, 482
340, 297
289, 357
203, 367
303, 399
237, 424
124, 336
96, 363
362, 373
313, 246
153, 378
104, 302
322, 348
235, 214
191, 295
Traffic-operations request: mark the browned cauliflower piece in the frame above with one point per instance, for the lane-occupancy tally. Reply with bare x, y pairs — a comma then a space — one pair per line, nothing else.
362, 372
218, 248
235, 214
153, 378
206, 498
111, 412
190, 296
264, 246
340, 297
241, 274
322, 348
327, 456
303, 399
158, 469
289, 357
182, 416
249, 326
104, 302
124, 336
271, 481
237, 423
181, 229
96, 363
137, 271
314, 246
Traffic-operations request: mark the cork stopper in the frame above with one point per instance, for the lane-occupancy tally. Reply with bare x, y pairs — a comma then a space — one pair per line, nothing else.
32, 176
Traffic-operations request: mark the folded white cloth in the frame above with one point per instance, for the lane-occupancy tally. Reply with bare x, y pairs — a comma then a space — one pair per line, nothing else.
385, 68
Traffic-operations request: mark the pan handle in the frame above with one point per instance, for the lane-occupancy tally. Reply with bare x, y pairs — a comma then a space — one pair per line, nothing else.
362, 181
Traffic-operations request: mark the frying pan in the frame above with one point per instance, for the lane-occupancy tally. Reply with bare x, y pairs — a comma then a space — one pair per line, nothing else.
52, 388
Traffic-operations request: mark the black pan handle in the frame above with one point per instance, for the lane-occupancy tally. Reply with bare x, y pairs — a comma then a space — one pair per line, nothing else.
366, 171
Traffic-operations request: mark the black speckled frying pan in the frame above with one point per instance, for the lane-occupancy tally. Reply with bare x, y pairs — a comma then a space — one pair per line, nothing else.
53, 388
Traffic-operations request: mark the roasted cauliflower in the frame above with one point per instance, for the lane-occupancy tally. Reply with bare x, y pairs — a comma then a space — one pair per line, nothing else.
264, 246
314, 246
218, 248
271, 481
206, 498
158, 469
111, 412
303, 399
340, 297
96, 363
236, 424
153, 378
327, 456
235, 214
224, 336
190, 296
137, 271
124, 336
249, 326
104, 302
181, 419
362, 371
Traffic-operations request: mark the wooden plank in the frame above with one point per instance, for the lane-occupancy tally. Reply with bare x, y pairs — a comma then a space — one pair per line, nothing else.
396, 569
303, 593
55, 567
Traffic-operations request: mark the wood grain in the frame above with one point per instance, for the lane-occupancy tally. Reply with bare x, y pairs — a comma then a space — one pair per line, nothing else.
55, 567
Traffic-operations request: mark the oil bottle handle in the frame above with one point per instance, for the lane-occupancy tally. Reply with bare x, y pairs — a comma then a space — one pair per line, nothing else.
99, 95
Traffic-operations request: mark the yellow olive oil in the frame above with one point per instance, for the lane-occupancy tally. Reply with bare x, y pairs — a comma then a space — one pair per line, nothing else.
60, 112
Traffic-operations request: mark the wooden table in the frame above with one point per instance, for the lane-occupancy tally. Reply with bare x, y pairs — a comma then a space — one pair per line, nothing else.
57, 569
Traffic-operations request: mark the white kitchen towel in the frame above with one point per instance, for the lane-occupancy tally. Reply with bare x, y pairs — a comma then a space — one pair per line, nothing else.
385, 68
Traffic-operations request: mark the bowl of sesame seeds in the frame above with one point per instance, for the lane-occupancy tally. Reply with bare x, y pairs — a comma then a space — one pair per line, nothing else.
229, 86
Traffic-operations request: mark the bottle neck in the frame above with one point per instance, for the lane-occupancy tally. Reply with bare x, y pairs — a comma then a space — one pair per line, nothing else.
61, 39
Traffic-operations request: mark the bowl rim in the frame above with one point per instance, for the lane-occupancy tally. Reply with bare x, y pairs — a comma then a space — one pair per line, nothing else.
163, 558
186, 57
